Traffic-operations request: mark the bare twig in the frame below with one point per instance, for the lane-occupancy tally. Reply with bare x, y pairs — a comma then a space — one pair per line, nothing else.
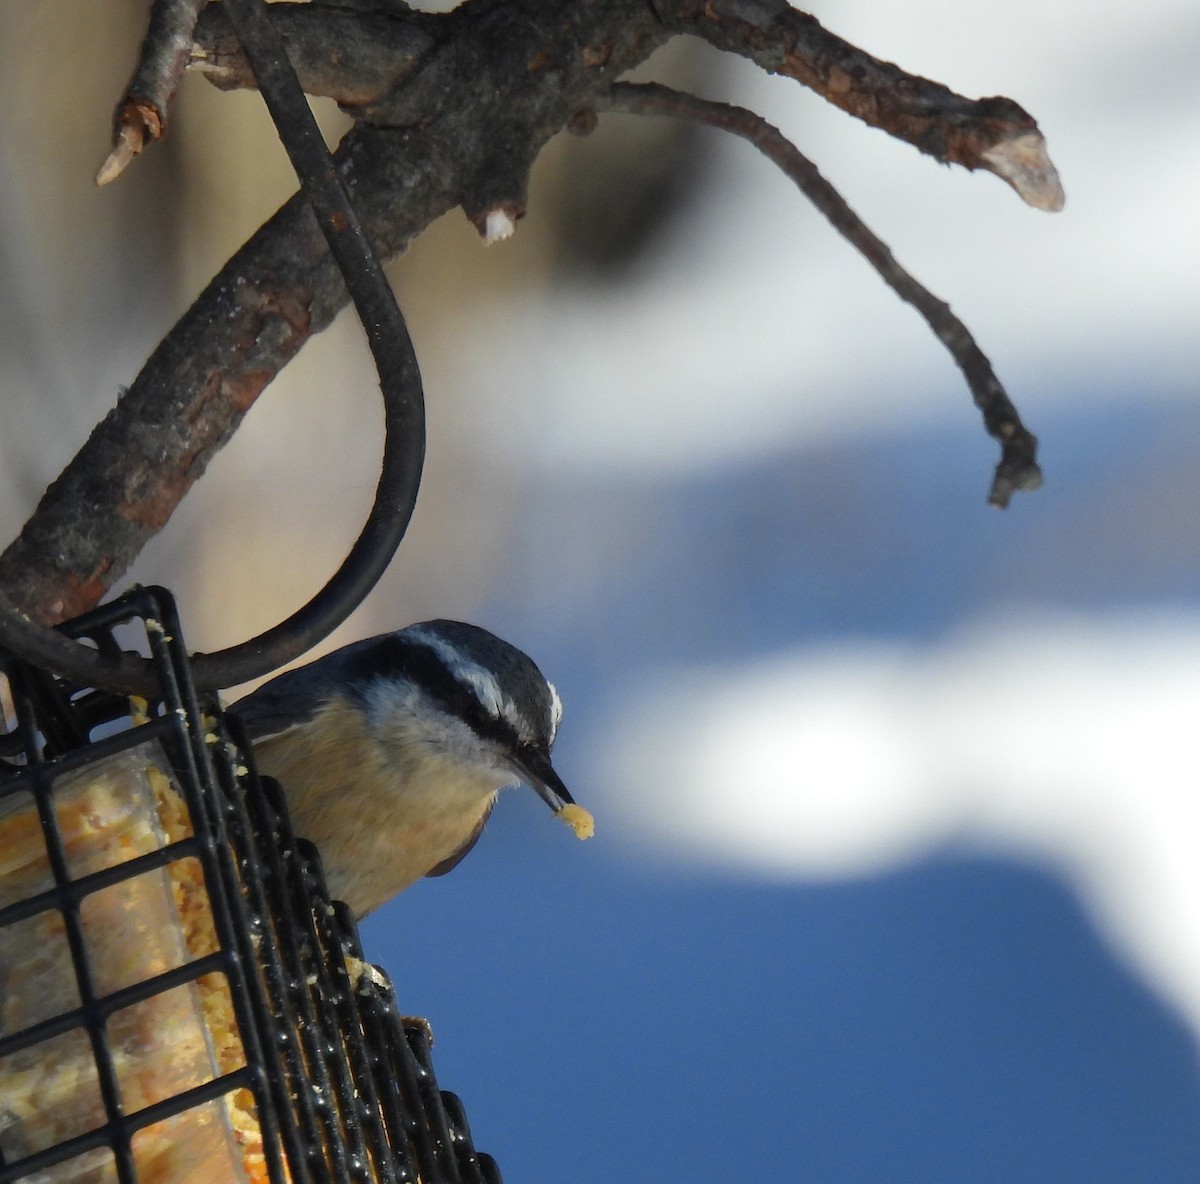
993, 134
1018, 468
452, 109
141, 115
362, 60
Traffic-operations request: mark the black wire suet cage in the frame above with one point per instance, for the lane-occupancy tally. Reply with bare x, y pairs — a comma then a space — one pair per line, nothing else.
179, 998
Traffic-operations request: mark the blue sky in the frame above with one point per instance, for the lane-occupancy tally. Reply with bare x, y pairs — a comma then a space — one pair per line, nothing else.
954, 1019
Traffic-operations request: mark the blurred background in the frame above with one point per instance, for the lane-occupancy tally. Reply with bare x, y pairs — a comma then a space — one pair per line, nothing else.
895, 874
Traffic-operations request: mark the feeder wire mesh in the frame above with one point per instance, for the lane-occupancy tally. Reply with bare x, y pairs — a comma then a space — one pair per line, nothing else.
244, 1040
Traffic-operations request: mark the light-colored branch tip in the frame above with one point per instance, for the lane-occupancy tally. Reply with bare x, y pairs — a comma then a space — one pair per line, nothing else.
130, 139
498, 224
1025, 164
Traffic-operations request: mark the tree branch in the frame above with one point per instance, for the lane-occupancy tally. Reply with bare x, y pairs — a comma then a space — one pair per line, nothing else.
341, 53
361, 59
1018, 469
282, 286
141, 115
995, 134
452, 109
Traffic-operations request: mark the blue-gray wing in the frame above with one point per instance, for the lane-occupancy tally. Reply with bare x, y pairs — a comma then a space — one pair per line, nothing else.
285, 701
297, 695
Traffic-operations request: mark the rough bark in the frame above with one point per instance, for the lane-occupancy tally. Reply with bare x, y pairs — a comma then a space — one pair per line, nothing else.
451, 111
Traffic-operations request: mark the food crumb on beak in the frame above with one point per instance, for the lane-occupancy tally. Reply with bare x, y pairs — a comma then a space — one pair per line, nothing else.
578, 819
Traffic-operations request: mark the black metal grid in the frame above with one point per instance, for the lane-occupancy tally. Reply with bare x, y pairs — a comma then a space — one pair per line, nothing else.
343, 1088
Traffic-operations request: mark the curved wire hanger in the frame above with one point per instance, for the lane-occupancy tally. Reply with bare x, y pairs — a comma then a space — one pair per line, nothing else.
404, 419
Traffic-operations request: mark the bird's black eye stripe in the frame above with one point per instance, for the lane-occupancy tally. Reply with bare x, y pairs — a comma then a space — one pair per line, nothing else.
397, 657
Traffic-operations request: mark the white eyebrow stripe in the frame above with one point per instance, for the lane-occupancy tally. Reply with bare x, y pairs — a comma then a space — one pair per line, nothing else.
481, 680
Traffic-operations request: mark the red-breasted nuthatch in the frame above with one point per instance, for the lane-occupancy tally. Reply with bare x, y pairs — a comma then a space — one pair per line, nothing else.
391, 751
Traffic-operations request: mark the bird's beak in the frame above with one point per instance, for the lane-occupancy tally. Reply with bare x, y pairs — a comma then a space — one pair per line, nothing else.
534, 768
